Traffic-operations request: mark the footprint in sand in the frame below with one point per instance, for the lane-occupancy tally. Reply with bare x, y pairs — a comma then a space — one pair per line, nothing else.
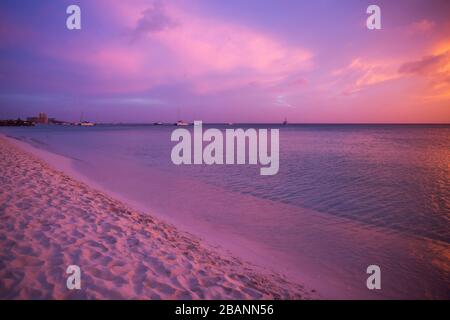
10, 280
97, 245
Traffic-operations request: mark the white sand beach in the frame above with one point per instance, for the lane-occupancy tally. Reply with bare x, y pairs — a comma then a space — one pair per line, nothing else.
50, 221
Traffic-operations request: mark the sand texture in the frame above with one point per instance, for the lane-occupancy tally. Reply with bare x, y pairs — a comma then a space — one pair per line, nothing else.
49, 221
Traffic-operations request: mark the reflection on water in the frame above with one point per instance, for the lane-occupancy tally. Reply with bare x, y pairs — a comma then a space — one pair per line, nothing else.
345, 197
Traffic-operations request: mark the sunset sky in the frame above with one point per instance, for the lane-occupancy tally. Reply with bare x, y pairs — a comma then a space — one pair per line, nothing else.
226, 61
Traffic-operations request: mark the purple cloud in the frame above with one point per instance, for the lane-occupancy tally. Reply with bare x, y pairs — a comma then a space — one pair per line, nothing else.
426, 65
154, 19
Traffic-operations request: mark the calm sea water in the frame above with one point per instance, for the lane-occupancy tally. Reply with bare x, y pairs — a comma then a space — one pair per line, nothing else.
345, 197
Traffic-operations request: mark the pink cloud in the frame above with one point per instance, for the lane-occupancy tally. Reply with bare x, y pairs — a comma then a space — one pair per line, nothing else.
123, 61
361, 74
432, 64
422, 26
434, 69
167, 43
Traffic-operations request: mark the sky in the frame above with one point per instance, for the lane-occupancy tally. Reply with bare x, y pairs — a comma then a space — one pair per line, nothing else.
226, 61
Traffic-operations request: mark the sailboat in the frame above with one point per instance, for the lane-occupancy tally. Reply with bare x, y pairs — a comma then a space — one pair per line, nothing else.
85, 123
285, 122
180, 122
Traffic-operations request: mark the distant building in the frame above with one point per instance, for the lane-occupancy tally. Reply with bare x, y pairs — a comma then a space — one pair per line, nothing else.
40, 119
43, 119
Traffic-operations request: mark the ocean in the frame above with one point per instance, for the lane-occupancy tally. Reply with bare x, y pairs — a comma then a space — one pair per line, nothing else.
345, 197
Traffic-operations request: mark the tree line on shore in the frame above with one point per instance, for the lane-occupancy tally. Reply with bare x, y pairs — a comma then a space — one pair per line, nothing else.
16, 123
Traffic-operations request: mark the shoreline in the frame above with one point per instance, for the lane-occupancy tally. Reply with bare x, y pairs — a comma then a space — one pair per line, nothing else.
50, 221
263, 260
233, 247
